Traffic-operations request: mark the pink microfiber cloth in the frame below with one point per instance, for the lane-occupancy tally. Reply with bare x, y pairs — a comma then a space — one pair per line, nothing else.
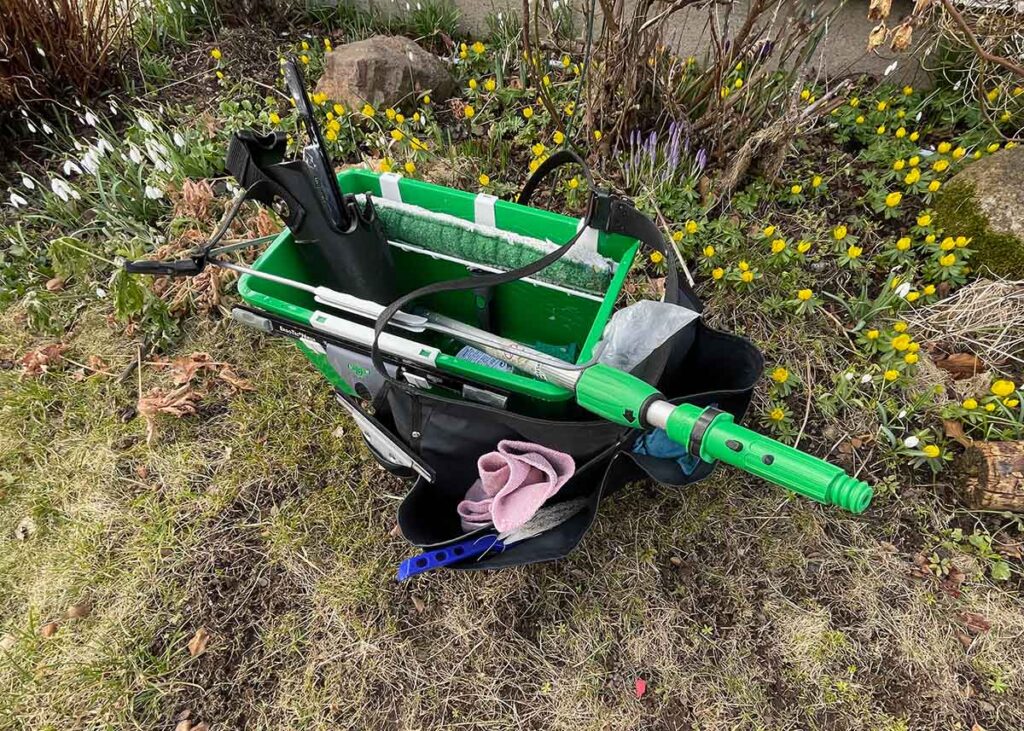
514, 482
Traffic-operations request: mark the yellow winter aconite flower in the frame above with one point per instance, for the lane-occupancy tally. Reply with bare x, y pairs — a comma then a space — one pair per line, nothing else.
400, 118
908, 90
747, 277
839, 232
891, 374
992, 94
816, 181
559, 137
490, 85
717, 273
929, 290
970, 404
738, 83
574, 182
472, 84
805, 94
881, 106
426, 98
410, 167
216, 54
528, 112
368, 111
913, 176
386, 166
899, 165
924, 219
778, 246
709, 251
304, 59
538, 149
769, 231
777, 414
914, 136
804, 294
274, 118
958, 153
940, 165
327, 45
914, 161
881, 129
468, 111
962, 241
546, 80
893, 199
901, 133
796, 189
934, 186
478, 47
948, 260
597, 135
677, 236
1003, 388
993, 147
305, 45
339, 109
1011, 403
859, 119
854, 252
657, 257
990, 406
484, 179
397, 135
418, 144
900, 342
331, 135
931, 451
872, 334
913, 296
743, 266
903, 244
854, 102
911, 358
900, 327
692, 226
944, 147
803, 247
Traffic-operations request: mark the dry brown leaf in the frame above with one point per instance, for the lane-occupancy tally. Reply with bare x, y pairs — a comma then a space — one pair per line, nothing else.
194, 200
96, 363
179, 402
961, 365
921, 5
197, 645
183, 370
232, 378
201, 727
36, 362
419, 604
54, 285
975, 623
877, 36
955, 430
879, 10
49, 629
902, 35
8, 642
79, 611
183, 725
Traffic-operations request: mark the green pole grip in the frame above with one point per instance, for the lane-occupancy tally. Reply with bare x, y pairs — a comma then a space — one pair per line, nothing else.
614, 395
724, 440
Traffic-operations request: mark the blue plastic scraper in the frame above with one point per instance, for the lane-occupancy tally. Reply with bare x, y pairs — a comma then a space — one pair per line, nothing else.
543, 520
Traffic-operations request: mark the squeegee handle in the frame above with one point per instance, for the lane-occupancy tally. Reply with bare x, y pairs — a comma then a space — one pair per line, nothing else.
713, 435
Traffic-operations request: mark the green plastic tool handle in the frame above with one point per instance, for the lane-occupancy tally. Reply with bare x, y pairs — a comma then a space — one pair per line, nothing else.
625, 399
725, 440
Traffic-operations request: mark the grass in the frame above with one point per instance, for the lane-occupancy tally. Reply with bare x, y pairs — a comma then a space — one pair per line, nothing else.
258, 520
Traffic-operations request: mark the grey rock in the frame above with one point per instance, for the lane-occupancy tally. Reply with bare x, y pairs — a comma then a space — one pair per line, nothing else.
385, 71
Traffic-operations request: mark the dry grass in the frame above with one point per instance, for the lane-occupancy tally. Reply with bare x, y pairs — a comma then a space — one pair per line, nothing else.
740, 607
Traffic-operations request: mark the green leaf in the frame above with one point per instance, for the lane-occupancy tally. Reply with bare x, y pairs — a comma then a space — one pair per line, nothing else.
1000, 570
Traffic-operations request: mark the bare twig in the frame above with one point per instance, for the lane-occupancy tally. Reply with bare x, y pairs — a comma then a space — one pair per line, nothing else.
972, 39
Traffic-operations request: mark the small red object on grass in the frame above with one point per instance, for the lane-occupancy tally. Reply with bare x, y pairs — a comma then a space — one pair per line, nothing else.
641, 687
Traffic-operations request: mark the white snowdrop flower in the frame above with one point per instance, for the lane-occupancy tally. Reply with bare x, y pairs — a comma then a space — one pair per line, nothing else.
40, 51
163, 166
61, 189
408, 8
866, 378
78, 103
193, 9
890, 68
146, 125
233, 189
113, 106
28, 182
178, 139
70, 168
135, 155
501, 16
911, 442
90, 119
17, 201
902, 414
31, 127
103, 147
419, 7
90, 161
956, 86
917, 117
903, 290
101, 293
24, 112
154, 193
849, 376
47, 129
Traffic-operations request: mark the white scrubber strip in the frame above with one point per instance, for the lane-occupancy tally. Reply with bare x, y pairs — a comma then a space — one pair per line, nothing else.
389, 187
483, 209
579, 254
589, 238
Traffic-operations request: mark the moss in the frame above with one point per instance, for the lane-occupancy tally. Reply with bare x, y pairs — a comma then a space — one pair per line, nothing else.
957, 213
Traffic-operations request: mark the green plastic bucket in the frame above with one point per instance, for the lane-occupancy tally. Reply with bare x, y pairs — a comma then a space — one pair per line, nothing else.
523, 311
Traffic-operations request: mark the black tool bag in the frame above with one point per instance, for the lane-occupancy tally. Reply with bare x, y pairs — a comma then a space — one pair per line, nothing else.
698, 365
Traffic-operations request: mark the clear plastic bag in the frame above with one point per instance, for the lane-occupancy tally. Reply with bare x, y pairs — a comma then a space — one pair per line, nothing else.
635, 331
